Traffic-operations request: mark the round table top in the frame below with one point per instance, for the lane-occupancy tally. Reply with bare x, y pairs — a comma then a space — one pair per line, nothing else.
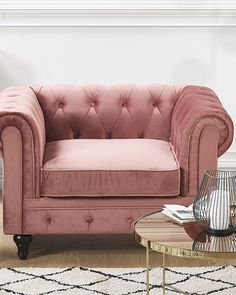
162, 234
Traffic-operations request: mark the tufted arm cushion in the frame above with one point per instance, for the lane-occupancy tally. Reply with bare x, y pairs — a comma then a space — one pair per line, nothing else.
197, 108
20, 110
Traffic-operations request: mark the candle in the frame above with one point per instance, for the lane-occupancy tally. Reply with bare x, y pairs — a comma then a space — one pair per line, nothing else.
219, 210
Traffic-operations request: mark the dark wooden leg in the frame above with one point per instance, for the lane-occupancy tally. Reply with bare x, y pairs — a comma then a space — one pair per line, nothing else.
22, 243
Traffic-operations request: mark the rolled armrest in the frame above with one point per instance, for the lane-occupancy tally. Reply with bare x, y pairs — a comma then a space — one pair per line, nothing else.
23, 134
201, 131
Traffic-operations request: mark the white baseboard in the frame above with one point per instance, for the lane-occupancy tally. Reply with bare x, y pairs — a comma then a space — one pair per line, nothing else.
227, 161
118, 14
118, 4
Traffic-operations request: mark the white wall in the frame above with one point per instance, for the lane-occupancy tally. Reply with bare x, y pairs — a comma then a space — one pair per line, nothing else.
168, 46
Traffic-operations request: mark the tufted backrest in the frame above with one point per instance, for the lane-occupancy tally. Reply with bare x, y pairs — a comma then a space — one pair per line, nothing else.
95, 111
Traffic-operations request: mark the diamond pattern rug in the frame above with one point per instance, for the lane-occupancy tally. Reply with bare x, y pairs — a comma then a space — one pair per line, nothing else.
116, 281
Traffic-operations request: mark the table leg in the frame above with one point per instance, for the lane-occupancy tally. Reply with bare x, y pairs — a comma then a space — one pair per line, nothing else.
147, 269
163, 274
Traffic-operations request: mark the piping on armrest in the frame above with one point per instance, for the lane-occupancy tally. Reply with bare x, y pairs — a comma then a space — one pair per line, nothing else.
196, 109
19, 107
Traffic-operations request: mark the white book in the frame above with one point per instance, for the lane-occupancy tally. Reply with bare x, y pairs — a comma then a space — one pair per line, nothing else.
179, 213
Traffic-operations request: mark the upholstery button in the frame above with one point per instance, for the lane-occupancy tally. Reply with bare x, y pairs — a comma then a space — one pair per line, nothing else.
60, 105
89, 219
48, 219
92, 104
124, 104
130, 219
154, 104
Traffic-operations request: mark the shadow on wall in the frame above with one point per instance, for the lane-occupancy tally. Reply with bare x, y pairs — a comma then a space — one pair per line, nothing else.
192, 71
13, 72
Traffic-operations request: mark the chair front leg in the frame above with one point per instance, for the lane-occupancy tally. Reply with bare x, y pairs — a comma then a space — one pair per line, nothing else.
22, 243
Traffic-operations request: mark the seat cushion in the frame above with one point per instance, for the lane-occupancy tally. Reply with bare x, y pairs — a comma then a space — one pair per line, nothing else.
110, 167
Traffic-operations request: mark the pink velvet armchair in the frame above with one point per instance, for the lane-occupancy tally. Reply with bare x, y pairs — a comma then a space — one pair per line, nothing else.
92, 159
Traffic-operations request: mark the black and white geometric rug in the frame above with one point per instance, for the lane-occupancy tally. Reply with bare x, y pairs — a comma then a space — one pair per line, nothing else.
116, 281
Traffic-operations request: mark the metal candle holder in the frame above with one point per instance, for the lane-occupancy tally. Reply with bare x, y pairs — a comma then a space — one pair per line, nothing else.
215, 205
206, 242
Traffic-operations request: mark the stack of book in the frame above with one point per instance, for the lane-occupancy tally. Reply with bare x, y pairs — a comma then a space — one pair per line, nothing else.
179, 213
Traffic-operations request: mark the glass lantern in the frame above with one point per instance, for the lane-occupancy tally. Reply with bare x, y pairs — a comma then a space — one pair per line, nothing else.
215, 205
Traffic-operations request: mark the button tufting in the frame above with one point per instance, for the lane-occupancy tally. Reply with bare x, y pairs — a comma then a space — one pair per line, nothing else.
130, 219
89, 219
119, 104
48, 219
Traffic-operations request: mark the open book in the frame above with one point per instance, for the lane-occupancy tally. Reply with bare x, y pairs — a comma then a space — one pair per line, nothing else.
179, 213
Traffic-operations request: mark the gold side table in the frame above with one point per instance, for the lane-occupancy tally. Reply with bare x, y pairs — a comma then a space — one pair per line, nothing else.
156, 232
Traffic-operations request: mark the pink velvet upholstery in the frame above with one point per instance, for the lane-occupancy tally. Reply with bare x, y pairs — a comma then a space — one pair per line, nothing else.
131, 169
19, 107
122, 111
198, 108
89, 215
115, 167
